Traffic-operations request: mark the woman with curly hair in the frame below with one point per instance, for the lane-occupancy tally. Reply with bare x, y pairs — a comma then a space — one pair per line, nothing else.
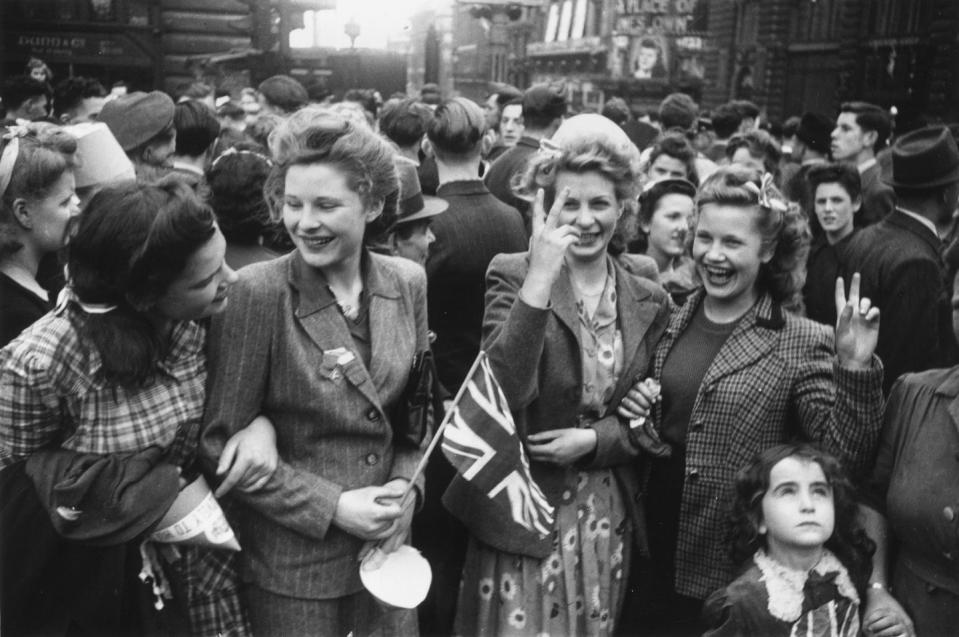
37, 202
568, 327
737, 373
805, 556
321, 341
756, 150
672, 157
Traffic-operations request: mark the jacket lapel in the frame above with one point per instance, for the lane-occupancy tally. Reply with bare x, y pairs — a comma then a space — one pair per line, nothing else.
563, 302
748, 343
950, 388
636, 317
323, 322
389, 325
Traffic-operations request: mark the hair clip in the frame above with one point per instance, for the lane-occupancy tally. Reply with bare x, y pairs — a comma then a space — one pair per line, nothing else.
767, 195
232, 150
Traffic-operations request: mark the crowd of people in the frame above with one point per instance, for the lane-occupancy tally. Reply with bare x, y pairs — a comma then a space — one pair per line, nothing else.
729, 348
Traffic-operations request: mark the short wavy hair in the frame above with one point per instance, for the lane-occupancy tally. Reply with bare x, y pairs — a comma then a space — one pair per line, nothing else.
849, 541
315, 135
760, 144
45, 153
782, 226
676, 145
585, 152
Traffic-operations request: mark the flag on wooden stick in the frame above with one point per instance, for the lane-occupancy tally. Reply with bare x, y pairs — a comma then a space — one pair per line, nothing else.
480, 441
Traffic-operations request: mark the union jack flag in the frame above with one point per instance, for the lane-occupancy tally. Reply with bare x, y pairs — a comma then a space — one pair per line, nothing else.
480, 441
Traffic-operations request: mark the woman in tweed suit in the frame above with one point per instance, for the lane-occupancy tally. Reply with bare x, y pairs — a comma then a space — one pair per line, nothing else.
321, 341
740, 374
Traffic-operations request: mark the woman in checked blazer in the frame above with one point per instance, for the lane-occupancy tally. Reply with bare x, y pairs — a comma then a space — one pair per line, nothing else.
733, 375
321, 341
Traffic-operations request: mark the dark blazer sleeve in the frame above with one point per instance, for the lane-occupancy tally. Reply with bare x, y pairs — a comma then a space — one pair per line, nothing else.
239, 362
514, 332
900, 410
405, 460
839, 407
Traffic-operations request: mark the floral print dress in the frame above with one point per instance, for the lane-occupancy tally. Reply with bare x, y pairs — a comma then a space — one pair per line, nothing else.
579, 588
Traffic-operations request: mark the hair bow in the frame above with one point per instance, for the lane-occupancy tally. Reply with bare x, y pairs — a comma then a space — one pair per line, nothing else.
9, 156
767, 194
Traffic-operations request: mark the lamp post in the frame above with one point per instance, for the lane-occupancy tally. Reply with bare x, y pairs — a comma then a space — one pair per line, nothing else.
352, 31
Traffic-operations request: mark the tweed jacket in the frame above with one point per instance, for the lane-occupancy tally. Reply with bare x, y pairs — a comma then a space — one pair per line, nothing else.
278, 350
878, 198
898, 259
535, 354
775, 379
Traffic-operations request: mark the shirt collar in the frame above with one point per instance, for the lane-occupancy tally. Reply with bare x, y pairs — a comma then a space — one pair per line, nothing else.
462, 187
812, 161
187, 168
920, 219
866, 165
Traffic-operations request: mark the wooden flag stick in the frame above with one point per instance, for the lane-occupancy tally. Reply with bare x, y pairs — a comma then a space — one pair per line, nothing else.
439, 432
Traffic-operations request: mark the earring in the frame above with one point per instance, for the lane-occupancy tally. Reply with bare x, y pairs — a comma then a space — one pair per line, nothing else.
762, 528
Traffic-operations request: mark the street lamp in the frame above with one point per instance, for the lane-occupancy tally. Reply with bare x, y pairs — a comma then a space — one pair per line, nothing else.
352, 31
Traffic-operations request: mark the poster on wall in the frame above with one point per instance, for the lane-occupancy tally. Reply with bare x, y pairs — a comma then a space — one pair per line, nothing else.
661, 41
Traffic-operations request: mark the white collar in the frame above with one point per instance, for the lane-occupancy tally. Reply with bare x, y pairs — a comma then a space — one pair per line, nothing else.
187, 168
813, 161
784, 586
918, 217
866, 165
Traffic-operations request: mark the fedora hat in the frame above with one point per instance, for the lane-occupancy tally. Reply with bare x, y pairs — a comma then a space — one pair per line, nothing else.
412, 205
925, 158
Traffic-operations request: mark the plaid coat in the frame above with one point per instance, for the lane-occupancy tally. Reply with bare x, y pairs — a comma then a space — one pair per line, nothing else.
775, 379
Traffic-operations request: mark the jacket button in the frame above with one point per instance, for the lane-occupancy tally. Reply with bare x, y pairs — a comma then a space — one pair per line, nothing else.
372, 414
708, 389
697, 425
949, 513
693, 475
372, 459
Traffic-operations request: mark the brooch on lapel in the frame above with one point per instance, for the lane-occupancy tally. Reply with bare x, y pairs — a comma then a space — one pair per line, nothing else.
335, 361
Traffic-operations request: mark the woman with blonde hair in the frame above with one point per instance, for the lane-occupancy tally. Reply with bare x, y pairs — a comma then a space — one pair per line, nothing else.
321, 342
567, 328
735, 374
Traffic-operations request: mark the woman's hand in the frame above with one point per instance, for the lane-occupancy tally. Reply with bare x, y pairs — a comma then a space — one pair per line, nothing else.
884, 617
400, 530
372, 513
547, 249
857, 326
249, 458
561, 446
638, 402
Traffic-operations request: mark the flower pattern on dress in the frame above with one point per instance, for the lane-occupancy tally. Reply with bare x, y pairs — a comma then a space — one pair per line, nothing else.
517, 619
486, 588
507, 587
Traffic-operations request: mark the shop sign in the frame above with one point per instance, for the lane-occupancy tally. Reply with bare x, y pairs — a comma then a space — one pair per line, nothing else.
78, 47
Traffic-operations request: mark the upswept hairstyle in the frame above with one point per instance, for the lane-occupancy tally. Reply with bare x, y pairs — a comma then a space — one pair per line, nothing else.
314, 135
849, 541
588, 151
782, 226
457, 128
676, 145
132, 242
45, 152
236, 180
843, 174
760, 144
871, 118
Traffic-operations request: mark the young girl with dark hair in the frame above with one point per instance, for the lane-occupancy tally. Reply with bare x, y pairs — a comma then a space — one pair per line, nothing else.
110, 386
806, 558
37, 202
736, 373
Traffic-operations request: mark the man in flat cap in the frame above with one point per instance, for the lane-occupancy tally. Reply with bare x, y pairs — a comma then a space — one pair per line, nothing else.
143, 125
898, 257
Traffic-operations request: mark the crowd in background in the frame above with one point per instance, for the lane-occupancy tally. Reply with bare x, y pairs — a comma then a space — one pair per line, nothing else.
729, 345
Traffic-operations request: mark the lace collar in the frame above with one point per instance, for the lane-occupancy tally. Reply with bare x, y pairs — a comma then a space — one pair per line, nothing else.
785, 586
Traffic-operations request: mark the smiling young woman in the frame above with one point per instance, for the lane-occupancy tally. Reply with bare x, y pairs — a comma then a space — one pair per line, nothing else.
740, 373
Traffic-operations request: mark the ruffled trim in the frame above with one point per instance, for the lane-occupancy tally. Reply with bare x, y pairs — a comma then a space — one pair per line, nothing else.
785, 586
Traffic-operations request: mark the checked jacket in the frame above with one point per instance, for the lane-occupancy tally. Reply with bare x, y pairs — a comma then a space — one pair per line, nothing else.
776, 379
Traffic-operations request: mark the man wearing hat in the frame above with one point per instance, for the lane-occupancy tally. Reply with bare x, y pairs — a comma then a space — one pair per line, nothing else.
810, 148
861, 131
410, 235
898, 257
143, 125
544, 107
475, 228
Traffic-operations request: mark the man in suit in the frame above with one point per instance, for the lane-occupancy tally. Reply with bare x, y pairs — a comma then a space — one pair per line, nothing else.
861, 131
475, 228
898, 257
810, 148
544, 107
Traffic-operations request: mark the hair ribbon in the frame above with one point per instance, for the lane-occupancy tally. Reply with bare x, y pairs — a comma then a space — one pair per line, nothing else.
9, 156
